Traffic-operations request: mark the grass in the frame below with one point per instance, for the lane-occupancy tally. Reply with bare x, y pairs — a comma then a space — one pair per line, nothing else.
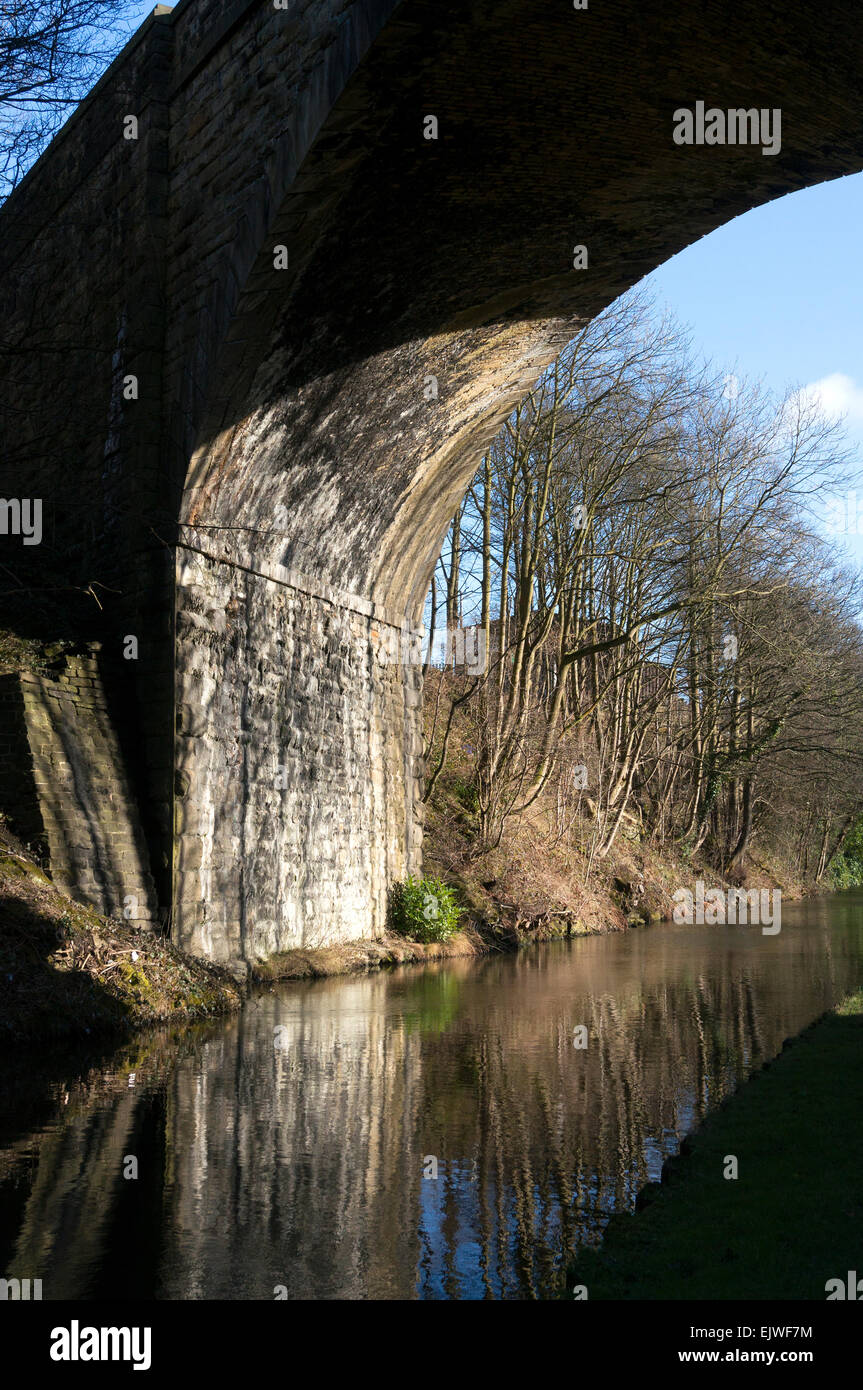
791, 1220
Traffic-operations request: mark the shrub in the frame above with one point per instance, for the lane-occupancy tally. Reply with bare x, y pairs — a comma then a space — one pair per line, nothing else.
466, 793
846, 871
424, 909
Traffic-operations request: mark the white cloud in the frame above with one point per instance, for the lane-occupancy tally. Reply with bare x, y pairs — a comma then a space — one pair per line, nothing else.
838, 395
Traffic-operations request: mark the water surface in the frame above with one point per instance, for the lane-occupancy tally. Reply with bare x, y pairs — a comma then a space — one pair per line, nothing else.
294, 1145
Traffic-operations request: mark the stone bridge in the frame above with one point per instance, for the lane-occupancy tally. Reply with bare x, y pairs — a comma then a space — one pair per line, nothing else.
260, 316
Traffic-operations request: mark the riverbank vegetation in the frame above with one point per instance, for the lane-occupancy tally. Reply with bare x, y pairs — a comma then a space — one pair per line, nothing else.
658, 662
658, 674
789, 1222
424, 909
67, 972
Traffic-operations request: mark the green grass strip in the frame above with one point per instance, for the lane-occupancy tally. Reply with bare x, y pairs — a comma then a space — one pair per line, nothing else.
790, 1221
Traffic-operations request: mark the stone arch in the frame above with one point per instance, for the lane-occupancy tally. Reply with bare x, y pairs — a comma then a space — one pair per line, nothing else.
322, 478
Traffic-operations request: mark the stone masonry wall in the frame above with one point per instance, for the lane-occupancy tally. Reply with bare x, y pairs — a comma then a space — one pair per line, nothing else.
82, 270
125, 257
62, 785
299, 762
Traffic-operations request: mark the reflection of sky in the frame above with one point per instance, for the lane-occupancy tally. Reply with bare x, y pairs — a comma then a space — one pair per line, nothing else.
454, 1207
452, 1263
657, 1148
451, 1199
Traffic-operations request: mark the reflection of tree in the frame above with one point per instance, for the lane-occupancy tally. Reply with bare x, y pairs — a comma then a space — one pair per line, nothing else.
434, 1001
302, 1164
546, 1144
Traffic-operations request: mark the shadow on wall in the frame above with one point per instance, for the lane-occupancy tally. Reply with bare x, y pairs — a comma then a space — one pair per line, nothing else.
65, 785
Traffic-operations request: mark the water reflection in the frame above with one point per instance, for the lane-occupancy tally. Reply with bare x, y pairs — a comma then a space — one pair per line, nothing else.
288, 1145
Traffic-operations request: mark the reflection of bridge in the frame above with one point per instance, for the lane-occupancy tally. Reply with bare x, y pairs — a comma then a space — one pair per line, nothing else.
252, 356
288, 1145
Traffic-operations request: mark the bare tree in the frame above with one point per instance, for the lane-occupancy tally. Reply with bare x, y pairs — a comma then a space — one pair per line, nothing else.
672, 649
51, 54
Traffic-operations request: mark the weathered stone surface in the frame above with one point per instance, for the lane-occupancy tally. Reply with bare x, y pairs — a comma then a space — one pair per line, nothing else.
63, 777
300, 809
285, 423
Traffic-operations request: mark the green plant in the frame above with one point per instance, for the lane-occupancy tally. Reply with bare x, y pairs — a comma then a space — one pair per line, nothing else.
846, 871
466, 793
424, 909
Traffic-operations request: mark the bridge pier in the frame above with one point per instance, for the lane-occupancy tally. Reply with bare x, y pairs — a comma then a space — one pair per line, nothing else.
298, 754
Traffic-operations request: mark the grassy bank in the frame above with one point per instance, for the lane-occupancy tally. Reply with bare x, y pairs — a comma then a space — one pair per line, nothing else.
790, 1221
66, 972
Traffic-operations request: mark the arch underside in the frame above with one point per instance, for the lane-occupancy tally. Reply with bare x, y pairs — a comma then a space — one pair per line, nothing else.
327, 465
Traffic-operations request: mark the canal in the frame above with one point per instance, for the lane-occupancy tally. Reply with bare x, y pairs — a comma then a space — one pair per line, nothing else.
444, 1132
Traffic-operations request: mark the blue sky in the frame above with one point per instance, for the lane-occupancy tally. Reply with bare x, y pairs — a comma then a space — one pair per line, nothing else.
777, 295
139, 9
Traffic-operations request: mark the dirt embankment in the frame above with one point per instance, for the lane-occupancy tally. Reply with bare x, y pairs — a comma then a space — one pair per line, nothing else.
528, 890
540, 879
476, 938
66, 971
